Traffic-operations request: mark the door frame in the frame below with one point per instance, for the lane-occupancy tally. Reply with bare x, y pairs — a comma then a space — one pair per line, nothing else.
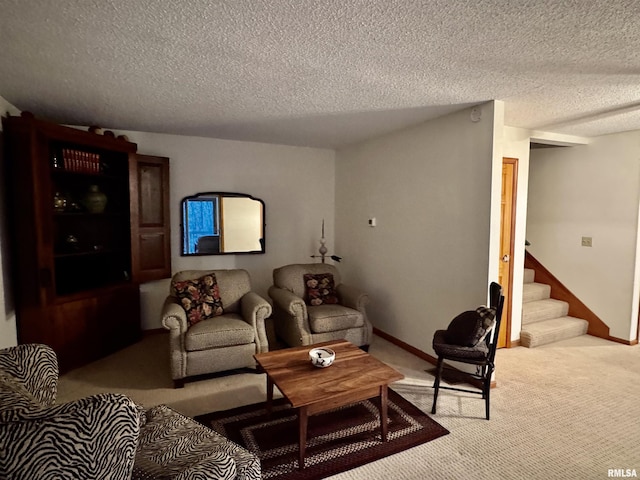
507, 310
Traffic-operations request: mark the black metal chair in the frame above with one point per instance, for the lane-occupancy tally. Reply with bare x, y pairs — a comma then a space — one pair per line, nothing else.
448, 346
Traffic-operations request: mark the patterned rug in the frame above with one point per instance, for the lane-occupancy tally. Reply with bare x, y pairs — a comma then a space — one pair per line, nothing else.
338, 440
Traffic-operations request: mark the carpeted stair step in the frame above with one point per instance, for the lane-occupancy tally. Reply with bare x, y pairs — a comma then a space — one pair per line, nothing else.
549, 331
529, 275
540, 310
535, 291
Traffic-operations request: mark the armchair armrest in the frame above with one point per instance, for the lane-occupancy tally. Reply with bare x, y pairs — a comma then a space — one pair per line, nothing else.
95, 437
255, 310
288, 302
352, 297
291, 320
36, 366
174, 317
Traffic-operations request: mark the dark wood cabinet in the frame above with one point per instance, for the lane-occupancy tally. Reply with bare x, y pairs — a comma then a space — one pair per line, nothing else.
88, 221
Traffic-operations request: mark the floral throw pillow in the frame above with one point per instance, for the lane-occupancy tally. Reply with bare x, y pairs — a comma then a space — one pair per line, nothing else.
200, 298
320, 289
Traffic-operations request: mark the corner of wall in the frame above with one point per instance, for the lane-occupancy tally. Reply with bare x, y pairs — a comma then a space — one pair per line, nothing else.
496, 189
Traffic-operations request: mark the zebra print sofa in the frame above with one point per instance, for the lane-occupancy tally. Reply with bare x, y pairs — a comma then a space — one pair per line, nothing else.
101, 437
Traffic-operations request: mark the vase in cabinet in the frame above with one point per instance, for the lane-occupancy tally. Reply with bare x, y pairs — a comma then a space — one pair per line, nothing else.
95, 201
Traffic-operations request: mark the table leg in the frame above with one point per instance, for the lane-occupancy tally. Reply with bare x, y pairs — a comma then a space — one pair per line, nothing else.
383, 412
269, 394
302, 442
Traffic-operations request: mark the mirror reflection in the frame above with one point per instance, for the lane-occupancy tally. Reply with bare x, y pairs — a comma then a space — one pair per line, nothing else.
218, 223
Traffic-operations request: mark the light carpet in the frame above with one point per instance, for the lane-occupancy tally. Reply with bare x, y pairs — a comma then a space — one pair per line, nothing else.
568, 410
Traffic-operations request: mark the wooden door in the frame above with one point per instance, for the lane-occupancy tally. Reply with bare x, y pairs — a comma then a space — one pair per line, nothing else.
150, 224
507, 227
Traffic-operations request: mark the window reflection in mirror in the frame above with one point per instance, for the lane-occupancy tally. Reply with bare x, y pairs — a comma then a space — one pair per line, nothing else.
215, 223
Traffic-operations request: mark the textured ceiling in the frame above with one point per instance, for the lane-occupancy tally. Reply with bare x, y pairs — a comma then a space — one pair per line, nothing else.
317, 72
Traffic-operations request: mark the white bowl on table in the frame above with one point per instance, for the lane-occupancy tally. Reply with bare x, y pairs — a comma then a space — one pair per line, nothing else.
322, 357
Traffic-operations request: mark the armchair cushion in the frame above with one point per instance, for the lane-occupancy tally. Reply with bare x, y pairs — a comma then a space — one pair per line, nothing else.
320, 289
177, 447
224, 331
329, 318
200, 298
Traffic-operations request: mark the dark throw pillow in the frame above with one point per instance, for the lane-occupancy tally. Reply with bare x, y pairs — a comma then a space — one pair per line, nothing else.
470, 327
320, 289
200, 298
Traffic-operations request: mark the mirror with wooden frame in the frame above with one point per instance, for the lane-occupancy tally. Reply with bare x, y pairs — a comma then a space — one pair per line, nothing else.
220, 223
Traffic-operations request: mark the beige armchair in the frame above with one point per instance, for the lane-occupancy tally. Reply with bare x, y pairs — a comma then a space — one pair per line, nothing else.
224, 342
301, 319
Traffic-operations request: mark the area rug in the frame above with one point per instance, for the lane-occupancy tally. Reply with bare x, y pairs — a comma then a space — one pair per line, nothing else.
338, 440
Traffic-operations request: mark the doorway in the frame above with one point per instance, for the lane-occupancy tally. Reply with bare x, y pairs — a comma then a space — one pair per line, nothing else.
507, 234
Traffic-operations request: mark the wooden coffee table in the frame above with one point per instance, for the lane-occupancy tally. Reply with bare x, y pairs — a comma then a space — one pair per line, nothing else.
354, 376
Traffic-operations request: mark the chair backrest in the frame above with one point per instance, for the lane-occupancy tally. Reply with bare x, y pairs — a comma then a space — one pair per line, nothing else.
496, 300
291, 277
232, 284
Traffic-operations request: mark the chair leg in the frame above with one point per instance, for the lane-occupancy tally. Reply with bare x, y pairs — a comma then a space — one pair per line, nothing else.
486, 391
436, 383
486, 397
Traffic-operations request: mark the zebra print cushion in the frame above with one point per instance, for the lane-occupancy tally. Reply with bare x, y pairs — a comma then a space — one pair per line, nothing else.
91, 438
36, 367
15, 399
174, 446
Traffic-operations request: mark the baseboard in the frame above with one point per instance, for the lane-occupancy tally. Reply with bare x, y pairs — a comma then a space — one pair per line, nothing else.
405, 346
622, 340
422, 355
514, 343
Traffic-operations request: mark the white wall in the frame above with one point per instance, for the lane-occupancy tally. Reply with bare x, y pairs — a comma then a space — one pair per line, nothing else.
8, 334
429, 188
296, 184
591, 190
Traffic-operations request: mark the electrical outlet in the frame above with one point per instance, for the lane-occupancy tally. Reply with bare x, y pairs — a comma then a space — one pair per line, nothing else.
587, 242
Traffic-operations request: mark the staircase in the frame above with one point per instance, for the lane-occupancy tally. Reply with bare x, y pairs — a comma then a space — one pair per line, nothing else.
544, 319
